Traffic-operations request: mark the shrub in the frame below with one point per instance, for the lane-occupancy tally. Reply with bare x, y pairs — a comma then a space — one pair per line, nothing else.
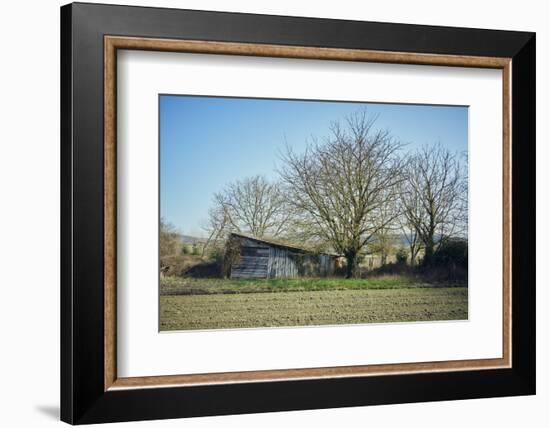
189, 266
401, 256
215, 252
449, 262
452, 252
170, 240
177, 265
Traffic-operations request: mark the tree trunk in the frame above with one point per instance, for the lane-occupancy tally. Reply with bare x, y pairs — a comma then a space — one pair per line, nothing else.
428, 253
351, 258
413, 255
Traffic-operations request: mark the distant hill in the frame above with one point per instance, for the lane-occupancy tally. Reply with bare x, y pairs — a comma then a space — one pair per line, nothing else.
190, 240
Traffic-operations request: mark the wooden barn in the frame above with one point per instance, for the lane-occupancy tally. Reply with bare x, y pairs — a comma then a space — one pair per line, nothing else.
250, 257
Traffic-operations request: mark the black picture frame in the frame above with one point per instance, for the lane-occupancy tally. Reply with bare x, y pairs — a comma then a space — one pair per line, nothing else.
83, 398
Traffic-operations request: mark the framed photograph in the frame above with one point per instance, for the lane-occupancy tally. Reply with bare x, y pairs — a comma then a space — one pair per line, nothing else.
266, 213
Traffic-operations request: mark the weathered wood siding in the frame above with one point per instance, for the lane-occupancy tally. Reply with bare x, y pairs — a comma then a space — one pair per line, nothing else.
326, 265
281, 264
253, 260
257, 259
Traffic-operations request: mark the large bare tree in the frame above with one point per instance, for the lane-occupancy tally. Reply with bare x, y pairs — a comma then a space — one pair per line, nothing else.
387, 222
410, 233
339, 186
252, 205
434, 197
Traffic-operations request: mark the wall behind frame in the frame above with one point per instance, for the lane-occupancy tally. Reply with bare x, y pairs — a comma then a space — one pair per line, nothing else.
29, 218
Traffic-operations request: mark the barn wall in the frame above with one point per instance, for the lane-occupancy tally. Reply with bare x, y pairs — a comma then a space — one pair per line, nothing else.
281, 264
252, 261
326, 265
262, 260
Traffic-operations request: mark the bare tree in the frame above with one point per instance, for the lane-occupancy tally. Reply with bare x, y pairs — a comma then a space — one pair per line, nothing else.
170, 242
253, 205
462, 210
433, 197
216, 226
340, 186
387, 226
407, 224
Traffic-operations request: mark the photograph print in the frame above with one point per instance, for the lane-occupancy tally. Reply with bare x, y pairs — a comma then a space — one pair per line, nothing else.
287, 213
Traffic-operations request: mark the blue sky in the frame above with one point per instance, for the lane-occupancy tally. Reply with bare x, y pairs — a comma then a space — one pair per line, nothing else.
206, 142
